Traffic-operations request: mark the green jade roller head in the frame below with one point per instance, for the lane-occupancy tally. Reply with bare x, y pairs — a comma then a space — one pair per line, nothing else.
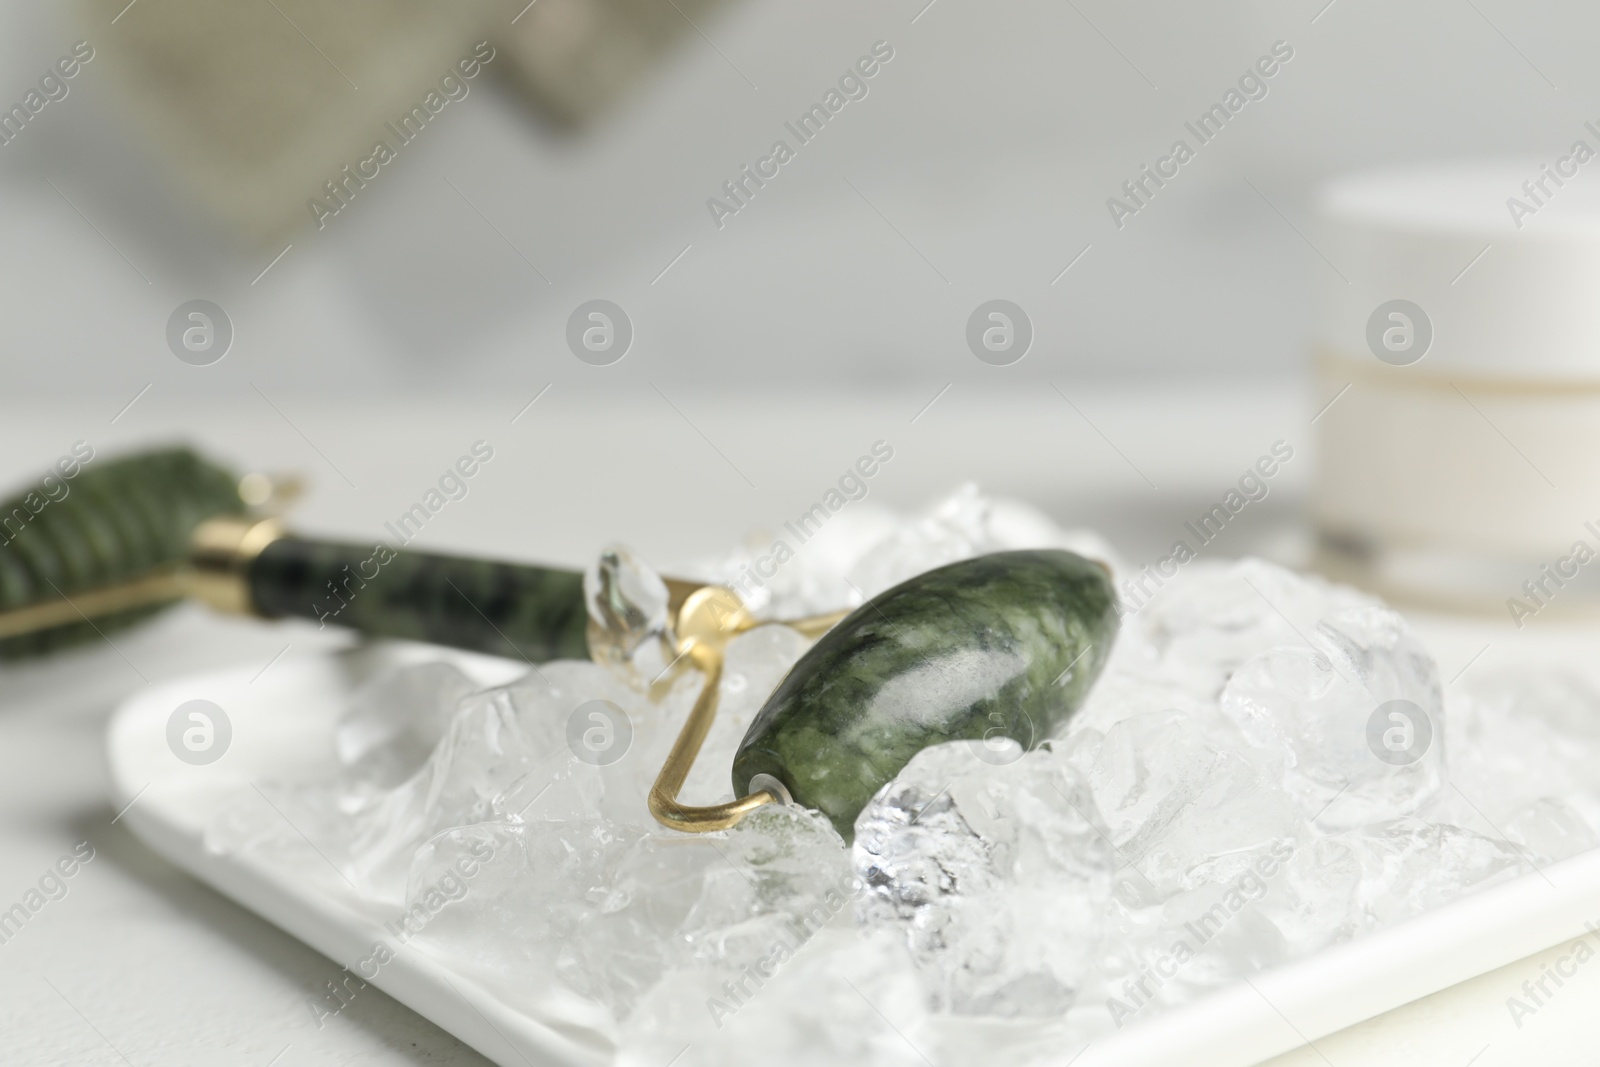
104, 536
998, 646
1005, 645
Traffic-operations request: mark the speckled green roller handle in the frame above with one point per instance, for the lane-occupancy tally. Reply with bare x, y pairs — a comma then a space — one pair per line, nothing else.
506, 609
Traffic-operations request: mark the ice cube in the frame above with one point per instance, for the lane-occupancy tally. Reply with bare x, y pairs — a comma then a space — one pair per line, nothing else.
1548, 829
1227, 929
1180, 802
1354, 720
993, 872
598, 741
620, 910
834, 560
1409, 866
800, 569
480, 756
506, 750
777, 878
1211, 617
1505, 725
1313, 903
507, 898
394, 722
840, 998
953, 529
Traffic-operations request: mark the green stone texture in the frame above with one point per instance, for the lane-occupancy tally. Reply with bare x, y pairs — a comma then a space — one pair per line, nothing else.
1006, 644
116, 520
530, 613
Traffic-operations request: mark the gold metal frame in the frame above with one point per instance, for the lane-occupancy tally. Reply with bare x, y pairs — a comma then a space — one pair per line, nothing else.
710, 617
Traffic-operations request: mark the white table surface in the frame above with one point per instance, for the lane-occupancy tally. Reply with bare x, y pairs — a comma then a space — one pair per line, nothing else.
138, 964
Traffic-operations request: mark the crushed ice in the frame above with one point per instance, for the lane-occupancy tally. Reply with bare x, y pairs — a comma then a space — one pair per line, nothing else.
1267, 766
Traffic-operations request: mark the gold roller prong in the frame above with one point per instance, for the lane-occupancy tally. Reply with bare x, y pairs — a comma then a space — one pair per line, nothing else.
709, 618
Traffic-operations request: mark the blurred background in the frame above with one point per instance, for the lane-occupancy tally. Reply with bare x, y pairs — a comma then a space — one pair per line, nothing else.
978, 166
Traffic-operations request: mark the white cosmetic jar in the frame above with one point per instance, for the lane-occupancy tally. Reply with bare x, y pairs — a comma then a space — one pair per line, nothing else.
1458, 381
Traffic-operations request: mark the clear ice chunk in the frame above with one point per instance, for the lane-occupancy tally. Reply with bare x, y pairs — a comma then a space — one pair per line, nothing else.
993, 872
1313, 903
839, 998
482, 754
1409, 866
1205, 623
822, 561
1355, 720
1182, 806
505, 754
1508, 724
613, 910
394, 722
1547, 830
962, 525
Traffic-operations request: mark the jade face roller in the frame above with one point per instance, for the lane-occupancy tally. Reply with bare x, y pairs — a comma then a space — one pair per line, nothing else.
999, 646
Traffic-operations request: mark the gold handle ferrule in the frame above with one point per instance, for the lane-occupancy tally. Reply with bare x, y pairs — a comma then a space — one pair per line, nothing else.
220, 555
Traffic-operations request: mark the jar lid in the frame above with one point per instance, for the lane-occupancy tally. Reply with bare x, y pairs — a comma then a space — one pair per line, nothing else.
1487, 271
